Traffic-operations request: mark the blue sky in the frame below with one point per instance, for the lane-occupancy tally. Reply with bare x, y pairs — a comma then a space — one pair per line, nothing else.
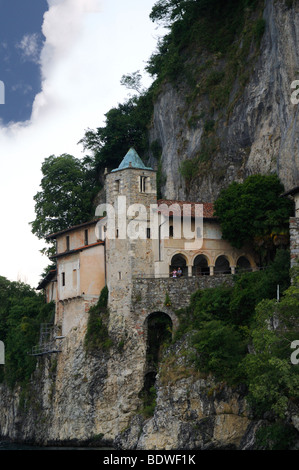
21, 41
61, 62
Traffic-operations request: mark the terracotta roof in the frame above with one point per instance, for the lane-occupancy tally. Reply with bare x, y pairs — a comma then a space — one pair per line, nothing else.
208, 207
51, 274
81, 248
74, 227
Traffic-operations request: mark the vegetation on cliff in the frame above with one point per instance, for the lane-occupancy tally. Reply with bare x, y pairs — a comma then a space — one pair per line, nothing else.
97, 336
22, 311
207, 46
254, 213
243, 335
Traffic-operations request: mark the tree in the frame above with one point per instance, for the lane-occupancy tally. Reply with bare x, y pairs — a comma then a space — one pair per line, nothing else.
126, 126
68, 188
273, 379
253, 212
133, 82
170, 11
22, 311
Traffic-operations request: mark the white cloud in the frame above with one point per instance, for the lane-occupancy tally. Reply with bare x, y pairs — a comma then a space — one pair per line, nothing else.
88, 46
29, 47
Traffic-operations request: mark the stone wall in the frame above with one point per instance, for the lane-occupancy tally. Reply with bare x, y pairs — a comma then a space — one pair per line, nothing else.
151, 295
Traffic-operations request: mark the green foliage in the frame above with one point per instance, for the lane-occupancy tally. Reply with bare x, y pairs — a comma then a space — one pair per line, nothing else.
22, 311
253, 211
126, 126
149, 402
277, 436
220, 349
197, 24
259, 29
273, 379
97, 335
222, 321
68, 187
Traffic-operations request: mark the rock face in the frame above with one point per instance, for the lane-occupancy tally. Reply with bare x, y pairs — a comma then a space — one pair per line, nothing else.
260, 133
95, 399
192, 412
76, 399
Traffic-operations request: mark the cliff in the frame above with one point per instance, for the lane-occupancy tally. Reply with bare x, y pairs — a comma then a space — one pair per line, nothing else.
94, 399
255, 131
89, 401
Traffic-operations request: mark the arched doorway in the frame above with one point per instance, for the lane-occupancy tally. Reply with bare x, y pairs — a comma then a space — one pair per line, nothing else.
243, 264
159, 335
200, 266
222, 265
178, 261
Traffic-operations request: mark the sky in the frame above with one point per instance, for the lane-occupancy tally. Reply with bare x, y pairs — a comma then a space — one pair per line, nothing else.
61, 63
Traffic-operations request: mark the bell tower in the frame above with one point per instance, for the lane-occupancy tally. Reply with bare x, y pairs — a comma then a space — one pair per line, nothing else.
130, 190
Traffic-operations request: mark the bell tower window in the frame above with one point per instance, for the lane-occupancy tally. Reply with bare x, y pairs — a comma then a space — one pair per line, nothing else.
143, 184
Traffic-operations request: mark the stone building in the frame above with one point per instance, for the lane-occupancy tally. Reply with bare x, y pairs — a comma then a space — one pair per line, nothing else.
137, 237
79, 276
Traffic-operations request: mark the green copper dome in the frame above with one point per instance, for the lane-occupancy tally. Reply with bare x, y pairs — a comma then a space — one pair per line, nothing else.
132, 160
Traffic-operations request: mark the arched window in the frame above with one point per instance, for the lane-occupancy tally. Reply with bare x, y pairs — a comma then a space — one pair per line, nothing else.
222, 265
178, 261
200, 266
243, 264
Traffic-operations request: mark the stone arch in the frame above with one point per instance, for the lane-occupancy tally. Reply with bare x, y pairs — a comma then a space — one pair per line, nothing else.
243, 264
222, 265
179, 260
200, 265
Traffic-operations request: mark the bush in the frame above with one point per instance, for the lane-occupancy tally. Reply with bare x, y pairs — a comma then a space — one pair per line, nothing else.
97, 336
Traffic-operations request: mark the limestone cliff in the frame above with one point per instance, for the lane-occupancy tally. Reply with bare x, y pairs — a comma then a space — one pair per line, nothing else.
75, 397
256, 132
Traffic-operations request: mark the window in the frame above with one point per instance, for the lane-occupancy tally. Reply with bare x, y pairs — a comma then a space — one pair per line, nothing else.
148, 233
142, 184
119, 276
117, 186
171, 231
86, 237
67, 243
63, 278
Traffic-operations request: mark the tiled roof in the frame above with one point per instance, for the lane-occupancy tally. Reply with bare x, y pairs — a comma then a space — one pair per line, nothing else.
51, 274
69, 229
132, 160
208, 207
75, 250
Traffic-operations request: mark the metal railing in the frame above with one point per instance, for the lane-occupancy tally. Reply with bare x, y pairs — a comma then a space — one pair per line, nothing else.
49, 341
196, 275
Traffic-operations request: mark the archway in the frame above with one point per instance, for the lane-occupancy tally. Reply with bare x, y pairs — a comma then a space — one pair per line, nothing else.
178, 261
222, 265
243, 264
200, 266
159, 334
